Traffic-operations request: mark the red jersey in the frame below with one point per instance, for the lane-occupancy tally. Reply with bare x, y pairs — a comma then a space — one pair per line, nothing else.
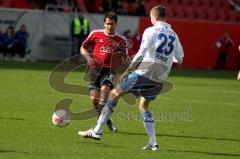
107, 50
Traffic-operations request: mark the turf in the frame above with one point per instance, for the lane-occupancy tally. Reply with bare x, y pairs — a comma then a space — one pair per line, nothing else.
198, 118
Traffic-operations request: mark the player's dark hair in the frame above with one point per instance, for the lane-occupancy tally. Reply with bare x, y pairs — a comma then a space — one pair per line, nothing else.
111, 15
160, 12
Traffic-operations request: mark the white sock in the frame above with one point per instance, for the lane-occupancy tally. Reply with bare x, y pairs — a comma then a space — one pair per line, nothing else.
104, 116
149, 127
148, 123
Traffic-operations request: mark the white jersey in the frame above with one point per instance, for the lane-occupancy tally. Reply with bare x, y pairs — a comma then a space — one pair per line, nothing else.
160, 47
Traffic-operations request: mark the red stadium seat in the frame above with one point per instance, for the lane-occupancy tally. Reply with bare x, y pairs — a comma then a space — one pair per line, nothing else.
206, 4
185, 3
224, 4
151, 3
175, 3
170, 12
200, 13
195, 3
82, 5
216, 3
164, 2
221, 15
6, 3
23, 4
132, 7
178, 12
232, 16
190, 12
211, 14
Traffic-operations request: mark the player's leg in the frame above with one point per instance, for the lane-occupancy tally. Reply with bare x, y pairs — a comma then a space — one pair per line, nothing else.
95, 95
149, 91
105, 115
113, 98
104, 93
106, 83
108, 109
148, 123
94, 87
111, 103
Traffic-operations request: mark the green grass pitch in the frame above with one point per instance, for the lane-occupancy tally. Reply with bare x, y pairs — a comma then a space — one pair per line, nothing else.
209, 102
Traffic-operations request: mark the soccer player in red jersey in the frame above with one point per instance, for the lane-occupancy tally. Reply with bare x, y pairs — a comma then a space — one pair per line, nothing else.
109, 50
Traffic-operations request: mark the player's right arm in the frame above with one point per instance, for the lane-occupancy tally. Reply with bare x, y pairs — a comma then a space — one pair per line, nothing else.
86, 55
89, 42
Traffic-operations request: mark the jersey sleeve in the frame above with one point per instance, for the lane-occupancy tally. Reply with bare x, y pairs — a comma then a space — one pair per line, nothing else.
89, 41
146, 41
178, 54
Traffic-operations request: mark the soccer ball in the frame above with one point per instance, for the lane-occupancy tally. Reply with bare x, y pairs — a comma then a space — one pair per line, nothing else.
61, 118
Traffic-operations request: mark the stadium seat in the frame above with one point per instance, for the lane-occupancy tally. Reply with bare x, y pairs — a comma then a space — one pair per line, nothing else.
200, 13
22, 4
178, 12
232, 16
170, 12
225, 4
185, 3
190, 12
211, 14
82, 5
150, 3
221, 15
132, 7
175, 3
164, 2
5, 3
206, 4
216, 3
195, 3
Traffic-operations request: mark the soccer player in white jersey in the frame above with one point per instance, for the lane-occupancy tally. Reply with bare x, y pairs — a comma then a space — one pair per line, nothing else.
160, 47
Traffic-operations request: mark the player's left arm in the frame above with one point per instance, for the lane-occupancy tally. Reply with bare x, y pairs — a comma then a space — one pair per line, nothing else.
178, 54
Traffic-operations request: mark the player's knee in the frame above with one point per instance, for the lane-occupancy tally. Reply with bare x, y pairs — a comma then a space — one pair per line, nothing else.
95, 100
115, 94
105, 88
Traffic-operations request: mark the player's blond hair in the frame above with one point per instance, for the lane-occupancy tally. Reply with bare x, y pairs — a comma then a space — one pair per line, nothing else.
159, 12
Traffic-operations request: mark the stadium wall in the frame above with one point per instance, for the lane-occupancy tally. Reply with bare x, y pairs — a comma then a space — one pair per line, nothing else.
198, 39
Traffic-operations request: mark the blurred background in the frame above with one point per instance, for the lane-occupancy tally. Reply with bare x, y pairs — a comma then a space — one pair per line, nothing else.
208, 29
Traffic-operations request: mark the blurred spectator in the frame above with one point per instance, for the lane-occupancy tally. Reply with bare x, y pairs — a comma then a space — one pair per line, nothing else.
137, 39
223, 44
8, 42
134, 42
140, 11
79, 32
129, 35
22, 42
